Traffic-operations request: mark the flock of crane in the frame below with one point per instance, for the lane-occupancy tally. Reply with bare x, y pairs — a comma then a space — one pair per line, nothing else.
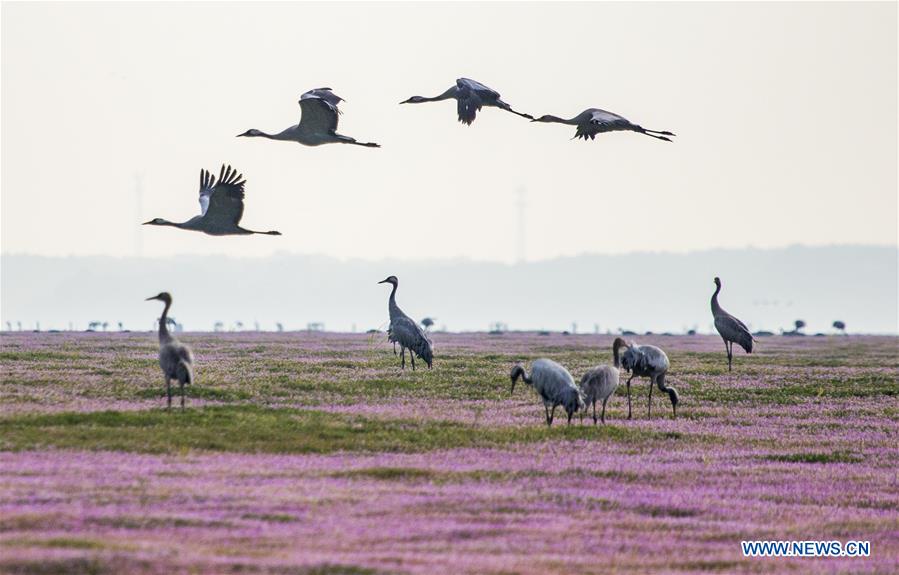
221, 209
222, 201
552, 382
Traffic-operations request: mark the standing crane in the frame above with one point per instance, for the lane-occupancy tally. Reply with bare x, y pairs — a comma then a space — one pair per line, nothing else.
404, 331
318, 123
175, 358
731, 329
600, 383
594, 121
555, 386
644, 361
470, 97
221, 206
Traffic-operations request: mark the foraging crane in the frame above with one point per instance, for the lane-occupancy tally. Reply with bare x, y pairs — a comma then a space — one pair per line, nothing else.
404, 331
644, 361
599, 384
175, 358
730, 328
594, 121
554, 385
221, 206
318, 123
470, 97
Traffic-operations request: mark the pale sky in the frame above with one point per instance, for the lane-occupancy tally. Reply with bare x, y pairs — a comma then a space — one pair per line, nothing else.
786, 118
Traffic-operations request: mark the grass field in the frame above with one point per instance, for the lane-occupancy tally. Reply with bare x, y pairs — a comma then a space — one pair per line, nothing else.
314, 454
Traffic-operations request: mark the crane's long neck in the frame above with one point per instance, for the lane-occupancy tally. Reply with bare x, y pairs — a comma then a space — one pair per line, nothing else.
282, 135
558, 120
391, 304
449, 94
616, 351
164, 335
716, 308
519, 372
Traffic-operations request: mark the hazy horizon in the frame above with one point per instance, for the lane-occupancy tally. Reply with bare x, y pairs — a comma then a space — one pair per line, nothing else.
659, 292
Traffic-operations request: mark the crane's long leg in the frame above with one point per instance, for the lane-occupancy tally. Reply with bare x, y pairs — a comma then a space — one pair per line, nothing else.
730, 356
652, 133
629, 396
652, 381
603, 416
403, 353
504, 106
412, 357
594, 409
546, 410
552, 414
168, 391
570, 413
181, 383
726, 349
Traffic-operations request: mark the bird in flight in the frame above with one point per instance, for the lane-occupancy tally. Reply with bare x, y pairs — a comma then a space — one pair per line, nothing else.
318, 123
221, 206
470, 97
594, 121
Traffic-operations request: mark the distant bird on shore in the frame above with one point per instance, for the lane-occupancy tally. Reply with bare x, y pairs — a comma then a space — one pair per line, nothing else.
221, 206
644, 361
470, 97
404, 331
731, 329
594, 121
599, 384
554, 385
318, 123
175, 358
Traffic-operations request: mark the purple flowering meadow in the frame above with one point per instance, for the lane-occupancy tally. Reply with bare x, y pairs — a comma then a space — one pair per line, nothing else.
314, 453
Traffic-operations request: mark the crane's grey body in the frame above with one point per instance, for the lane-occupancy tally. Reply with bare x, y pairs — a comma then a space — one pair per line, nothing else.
221, 206
175, 358
645, 361
470, 97
554, 385
730, 328
593, 121
404, 331
318, 123
599, 384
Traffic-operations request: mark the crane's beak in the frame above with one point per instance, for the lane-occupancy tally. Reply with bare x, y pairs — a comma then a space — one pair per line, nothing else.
382, 282
146, 223
152, 298
406, 101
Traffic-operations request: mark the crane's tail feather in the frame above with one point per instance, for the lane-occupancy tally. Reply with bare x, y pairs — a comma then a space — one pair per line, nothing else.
184, 372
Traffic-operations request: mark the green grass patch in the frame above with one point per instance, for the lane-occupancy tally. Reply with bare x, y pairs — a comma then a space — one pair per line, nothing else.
388, 473
833, 457
251, 429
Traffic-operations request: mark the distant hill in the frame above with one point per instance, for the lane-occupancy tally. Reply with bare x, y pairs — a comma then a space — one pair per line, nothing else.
768, 289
